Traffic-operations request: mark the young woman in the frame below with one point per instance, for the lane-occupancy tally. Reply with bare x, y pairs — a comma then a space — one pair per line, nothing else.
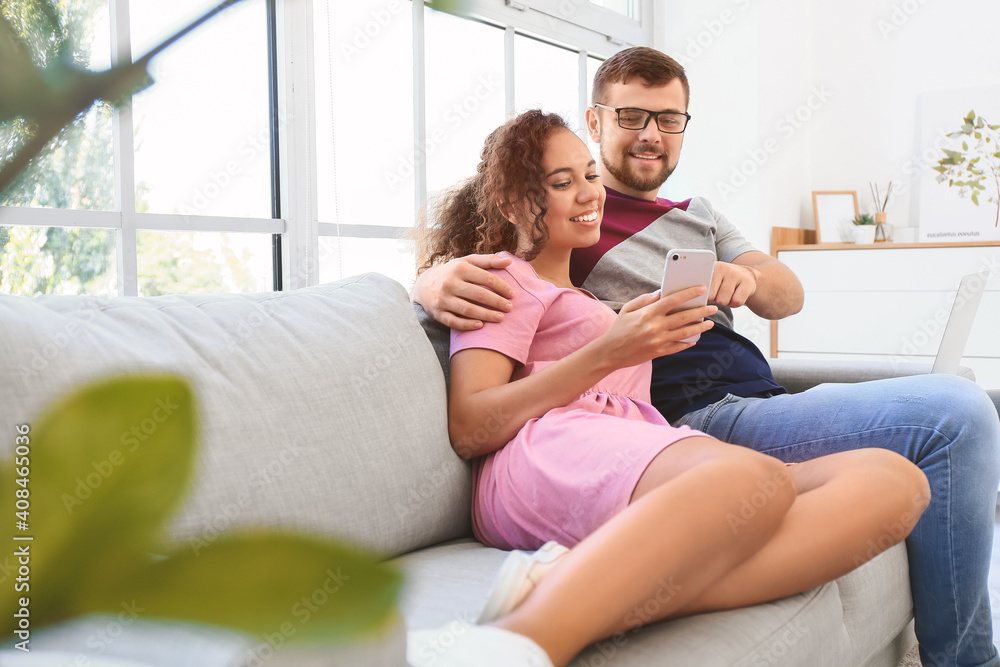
552, 405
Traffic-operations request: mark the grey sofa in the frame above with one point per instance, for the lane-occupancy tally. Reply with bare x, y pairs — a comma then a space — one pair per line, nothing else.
336, 390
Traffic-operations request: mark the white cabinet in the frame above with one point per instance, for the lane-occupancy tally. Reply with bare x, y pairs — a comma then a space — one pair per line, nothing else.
889, 302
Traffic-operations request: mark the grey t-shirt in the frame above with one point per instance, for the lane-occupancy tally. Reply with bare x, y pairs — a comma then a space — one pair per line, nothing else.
636, 237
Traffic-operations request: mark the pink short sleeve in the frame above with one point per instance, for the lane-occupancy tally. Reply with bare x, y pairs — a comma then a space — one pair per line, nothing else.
513, 336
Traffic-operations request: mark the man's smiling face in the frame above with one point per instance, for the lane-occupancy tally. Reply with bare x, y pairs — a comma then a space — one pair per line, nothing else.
637, 162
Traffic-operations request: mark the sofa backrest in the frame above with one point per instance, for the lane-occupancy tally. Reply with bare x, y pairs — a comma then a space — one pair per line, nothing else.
321, 409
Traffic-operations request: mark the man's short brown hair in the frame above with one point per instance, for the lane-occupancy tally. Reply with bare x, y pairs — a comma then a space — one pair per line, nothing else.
653, 67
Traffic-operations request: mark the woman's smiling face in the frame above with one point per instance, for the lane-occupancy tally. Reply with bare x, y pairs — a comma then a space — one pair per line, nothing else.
574, 195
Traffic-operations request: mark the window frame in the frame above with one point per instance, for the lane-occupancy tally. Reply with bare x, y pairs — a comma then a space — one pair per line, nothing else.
294, 223
125, 221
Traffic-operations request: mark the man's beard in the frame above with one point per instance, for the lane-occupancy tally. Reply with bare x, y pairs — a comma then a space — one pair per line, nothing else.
621, 171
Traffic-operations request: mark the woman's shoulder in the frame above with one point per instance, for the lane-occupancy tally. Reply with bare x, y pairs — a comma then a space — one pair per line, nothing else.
522, 274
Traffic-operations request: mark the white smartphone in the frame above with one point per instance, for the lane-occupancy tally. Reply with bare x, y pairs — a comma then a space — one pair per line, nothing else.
687, 268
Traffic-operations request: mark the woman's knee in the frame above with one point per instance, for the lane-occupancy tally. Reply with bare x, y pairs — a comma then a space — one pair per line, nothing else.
901, 482
758, 482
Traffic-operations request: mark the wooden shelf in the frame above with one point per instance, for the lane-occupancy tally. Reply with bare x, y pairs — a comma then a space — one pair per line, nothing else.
793, 238
882, 246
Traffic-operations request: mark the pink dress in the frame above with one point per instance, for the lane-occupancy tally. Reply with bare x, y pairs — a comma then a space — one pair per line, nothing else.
570, 470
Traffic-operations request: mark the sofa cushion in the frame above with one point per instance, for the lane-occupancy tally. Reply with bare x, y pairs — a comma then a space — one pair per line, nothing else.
322, 408
872, 618
797, 375
440, 337
832, 625
91, 640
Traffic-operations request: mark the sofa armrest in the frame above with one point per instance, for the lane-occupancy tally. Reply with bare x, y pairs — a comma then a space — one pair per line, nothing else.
797, 375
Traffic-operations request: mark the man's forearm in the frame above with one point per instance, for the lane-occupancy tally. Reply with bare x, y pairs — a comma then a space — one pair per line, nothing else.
779, 292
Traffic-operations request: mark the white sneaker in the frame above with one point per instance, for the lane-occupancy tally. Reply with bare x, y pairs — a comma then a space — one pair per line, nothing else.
459, 644
518, 576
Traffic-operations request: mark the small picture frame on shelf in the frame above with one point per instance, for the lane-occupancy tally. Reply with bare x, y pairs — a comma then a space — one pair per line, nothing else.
833, 211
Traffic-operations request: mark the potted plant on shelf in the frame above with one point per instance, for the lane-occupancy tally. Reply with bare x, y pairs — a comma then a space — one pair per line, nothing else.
864, 229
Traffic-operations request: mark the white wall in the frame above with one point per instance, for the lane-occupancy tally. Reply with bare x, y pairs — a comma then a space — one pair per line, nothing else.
851, 70
752, 63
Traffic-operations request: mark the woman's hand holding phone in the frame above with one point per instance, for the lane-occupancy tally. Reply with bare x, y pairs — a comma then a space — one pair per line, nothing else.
650, 326
685, 268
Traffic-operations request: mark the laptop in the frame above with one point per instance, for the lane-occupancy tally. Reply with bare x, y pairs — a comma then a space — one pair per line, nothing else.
963, 314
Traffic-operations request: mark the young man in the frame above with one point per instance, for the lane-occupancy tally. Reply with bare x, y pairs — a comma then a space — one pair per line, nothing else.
723, 385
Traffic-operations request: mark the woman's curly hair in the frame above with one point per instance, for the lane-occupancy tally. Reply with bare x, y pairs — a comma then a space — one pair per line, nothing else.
470, 217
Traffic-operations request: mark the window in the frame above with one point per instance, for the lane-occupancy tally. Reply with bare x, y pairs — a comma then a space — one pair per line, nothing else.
75, 173
547, 77
202, 131
57, 260
618, 21
316, 128
168, 194
629, 8
464, 96
381, 54
365, 155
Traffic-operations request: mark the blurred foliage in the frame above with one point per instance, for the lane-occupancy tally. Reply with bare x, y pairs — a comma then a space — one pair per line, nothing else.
976, 164
97, 506
176, 263
58, 260
44, 50
75, 171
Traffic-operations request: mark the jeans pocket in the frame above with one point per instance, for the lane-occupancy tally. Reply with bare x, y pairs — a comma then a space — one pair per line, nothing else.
700, 419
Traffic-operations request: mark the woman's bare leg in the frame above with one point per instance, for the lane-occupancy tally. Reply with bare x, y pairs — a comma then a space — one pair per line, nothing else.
850, 507
670, 545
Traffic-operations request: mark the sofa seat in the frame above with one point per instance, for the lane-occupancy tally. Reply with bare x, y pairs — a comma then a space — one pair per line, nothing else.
846, 622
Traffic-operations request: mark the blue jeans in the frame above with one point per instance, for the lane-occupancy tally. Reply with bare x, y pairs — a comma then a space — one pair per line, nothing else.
945, 424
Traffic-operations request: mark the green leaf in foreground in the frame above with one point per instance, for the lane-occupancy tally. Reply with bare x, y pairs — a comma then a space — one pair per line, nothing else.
109, 465
303, 587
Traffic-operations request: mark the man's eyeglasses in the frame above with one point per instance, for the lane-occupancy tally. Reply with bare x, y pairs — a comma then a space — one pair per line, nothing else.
668, 122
